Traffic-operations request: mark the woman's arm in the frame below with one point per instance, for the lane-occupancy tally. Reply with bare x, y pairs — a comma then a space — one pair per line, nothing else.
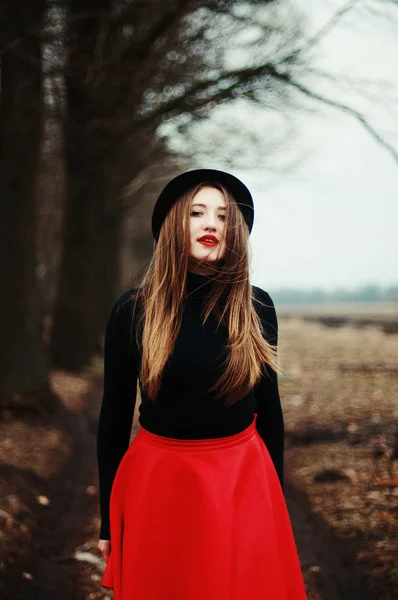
269, 422
118, 402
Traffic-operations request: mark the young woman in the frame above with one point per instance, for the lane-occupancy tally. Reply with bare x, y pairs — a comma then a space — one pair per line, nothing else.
194, 507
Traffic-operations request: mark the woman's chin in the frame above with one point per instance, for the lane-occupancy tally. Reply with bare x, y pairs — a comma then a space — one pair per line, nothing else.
205, 258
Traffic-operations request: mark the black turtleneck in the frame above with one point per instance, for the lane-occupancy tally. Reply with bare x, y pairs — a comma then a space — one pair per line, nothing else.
184, 408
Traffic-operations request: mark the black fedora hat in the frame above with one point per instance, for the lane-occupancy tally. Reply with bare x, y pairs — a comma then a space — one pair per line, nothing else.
177, 186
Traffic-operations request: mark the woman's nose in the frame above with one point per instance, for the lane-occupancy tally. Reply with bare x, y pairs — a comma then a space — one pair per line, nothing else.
211, 222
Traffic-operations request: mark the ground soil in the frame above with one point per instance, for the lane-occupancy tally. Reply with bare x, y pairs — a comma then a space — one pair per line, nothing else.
339, 436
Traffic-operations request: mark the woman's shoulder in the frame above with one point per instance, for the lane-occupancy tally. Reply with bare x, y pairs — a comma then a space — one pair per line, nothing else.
126, 298
123, 305
265, 308
262, 299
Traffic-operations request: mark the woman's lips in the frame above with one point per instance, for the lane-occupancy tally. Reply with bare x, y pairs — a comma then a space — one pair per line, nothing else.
208, 243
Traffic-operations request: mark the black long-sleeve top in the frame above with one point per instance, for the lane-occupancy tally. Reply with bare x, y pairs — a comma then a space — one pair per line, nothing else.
184, 409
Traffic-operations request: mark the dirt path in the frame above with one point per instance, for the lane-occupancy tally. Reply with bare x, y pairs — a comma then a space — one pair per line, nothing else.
57, 569
66, 563
328, 564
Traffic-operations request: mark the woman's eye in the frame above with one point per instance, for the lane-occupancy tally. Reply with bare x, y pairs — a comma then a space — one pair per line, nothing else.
195, 212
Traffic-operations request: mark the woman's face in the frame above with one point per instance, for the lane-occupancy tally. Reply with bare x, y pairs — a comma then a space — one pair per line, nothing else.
207, 218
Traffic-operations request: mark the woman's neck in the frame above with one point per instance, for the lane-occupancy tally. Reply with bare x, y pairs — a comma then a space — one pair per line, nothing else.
201, 268
200, 273
197, 283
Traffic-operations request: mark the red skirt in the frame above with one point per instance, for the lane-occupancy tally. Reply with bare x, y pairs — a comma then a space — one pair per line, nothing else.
201, 520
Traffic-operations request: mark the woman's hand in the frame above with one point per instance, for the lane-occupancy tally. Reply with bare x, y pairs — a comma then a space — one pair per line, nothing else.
104, 546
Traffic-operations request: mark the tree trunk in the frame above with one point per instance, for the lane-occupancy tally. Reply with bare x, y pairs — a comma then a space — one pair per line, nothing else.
111, 249
23, 363
89, 269
89, 273
78, 319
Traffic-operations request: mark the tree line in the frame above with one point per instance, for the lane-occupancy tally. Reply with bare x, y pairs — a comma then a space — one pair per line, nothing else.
362, 293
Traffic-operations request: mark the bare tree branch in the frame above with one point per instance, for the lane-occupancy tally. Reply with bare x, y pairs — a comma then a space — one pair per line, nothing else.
172, 91
190, 100
380, 84
320, 35
226, 84
350, 111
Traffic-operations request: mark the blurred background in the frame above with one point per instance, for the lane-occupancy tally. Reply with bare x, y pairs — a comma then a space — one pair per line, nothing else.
102, 102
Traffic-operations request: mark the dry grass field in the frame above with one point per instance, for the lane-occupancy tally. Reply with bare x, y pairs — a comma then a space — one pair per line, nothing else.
341, 413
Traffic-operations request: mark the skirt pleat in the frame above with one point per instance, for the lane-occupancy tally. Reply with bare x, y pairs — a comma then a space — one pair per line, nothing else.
201, 520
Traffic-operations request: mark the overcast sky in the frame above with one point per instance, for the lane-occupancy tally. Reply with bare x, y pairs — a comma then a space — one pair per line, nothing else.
331, 221
334, 222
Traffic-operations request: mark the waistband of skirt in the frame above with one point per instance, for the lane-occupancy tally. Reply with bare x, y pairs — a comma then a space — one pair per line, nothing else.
198, 444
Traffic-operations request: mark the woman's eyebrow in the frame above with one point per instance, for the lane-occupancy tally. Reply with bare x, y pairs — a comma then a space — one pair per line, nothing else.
204, 206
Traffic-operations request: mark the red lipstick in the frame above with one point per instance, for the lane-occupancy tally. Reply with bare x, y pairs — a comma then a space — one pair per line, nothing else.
208, 240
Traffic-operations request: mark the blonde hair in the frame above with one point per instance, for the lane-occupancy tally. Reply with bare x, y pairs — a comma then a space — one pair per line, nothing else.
162, 295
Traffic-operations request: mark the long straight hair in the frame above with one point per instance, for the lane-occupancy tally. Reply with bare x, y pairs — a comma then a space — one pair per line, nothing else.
230, 299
